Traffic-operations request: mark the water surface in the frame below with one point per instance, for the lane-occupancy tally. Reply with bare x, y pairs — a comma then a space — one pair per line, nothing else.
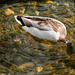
36, 57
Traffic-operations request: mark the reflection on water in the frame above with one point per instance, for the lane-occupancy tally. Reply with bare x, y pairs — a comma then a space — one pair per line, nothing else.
36, 57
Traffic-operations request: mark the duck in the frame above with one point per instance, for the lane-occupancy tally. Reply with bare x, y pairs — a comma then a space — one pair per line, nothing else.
43, 27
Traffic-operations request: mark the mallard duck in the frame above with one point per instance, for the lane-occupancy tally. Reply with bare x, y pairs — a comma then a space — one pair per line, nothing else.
43, 27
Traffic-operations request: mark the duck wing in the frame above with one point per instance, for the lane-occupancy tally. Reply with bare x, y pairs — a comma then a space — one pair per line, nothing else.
42, 23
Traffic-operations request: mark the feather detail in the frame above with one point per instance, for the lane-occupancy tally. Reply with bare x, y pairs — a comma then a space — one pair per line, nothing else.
43, 27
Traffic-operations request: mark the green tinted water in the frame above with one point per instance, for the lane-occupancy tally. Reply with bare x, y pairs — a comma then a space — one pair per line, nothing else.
36, 57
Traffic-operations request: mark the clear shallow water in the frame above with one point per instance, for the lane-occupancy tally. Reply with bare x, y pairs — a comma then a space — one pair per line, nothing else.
36, 57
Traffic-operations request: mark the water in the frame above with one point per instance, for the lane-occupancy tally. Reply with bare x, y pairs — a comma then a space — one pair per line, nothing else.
36, 57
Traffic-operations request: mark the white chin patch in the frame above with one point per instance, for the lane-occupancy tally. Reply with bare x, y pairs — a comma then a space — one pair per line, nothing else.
17, 20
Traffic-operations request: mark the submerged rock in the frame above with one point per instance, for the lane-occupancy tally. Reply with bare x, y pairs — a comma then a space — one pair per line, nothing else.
8, 12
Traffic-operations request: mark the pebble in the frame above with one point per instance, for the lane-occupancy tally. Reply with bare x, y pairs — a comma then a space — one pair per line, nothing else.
8, 12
